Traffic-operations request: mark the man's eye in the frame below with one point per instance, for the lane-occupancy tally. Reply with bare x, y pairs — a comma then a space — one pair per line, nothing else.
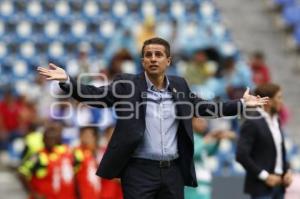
148, 54
158, 54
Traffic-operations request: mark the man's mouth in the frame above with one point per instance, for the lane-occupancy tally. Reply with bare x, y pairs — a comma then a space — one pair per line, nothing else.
153, 66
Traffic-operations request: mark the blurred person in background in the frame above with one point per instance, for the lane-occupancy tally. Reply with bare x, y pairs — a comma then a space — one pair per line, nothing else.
200, 68
260, 70
204, 145
116, 65
40, 173
33, 141
41, 101
81, 64
10, 118
261, 75
145, 31
88, 185
66, 170
261, 148
233, 79
28, 113
110, 189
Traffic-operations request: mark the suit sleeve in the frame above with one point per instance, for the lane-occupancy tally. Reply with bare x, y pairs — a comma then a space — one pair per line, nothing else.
212, 108
103, 96
244, 148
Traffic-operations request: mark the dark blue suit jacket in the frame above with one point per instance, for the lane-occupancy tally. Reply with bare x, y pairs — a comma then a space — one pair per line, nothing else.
129, 131
256, 152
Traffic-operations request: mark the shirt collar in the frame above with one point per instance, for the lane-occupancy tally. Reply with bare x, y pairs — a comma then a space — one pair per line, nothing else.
151, 86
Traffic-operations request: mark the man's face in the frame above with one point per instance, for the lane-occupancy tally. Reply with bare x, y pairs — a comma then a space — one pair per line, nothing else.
51, 138
88, 139
155, 60
276, 102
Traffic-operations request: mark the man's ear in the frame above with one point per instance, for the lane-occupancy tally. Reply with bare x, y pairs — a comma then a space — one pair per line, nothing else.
169, 61
142, 61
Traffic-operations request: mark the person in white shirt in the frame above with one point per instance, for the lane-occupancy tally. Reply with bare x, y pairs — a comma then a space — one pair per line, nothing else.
261, 148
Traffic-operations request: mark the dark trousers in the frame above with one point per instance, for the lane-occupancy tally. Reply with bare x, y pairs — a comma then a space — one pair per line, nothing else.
276, 193
148, 179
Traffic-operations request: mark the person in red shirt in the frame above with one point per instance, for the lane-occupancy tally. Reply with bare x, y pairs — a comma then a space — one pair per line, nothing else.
260, 71
66, 172
88, 185
40, 173
261, 75
111, 189
9, 119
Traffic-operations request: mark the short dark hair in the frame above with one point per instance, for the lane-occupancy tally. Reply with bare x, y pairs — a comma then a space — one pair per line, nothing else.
258, 55
267, 90
157, 40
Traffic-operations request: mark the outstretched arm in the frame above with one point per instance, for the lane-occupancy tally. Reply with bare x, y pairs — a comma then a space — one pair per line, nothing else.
216, 109
96, 96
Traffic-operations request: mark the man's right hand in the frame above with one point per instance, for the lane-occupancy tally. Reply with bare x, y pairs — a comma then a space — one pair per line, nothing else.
273, 180
53, 73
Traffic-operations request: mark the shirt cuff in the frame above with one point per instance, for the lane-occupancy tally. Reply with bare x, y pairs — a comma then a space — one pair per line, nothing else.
68, 81
243, 102
263, 175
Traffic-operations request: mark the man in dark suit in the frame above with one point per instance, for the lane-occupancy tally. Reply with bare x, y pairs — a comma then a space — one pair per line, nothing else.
261, 148
151, 149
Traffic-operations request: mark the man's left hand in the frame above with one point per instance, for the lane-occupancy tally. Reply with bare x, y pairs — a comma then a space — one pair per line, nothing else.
251, 100
287, 179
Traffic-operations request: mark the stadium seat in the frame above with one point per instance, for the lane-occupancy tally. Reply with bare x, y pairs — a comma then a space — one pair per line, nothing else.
24, 30
107, 28
56, 52
297, 35
3, 50
20, 68
291, 15
51, 30
62, 10
148, 9
78, 29
27, 50
91, 11
119, 9
2, 28
35, 12
177, 9
6, 9
284, 2
228, 49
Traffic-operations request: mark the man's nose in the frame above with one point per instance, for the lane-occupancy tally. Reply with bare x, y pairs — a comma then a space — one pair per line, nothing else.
153, 58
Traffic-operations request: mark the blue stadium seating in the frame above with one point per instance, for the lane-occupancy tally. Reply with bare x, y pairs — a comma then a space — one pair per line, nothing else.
291, 15
284, 2
297, 34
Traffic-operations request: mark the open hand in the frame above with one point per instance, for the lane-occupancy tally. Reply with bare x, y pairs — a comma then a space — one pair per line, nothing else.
53, 73
251, 100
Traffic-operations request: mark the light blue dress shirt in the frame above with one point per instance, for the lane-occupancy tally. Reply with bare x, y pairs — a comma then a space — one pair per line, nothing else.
160, 136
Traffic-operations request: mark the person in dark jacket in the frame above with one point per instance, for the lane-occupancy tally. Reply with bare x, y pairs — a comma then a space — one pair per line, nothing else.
261, 148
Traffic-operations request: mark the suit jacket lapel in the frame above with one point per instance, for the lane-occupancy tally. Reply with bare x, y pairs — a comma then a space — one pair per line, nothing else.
268, 131
174, 89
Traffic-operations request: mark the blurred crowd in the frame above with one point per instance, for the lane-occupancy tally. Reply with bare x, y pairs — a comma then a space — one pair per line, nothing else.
56, 143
